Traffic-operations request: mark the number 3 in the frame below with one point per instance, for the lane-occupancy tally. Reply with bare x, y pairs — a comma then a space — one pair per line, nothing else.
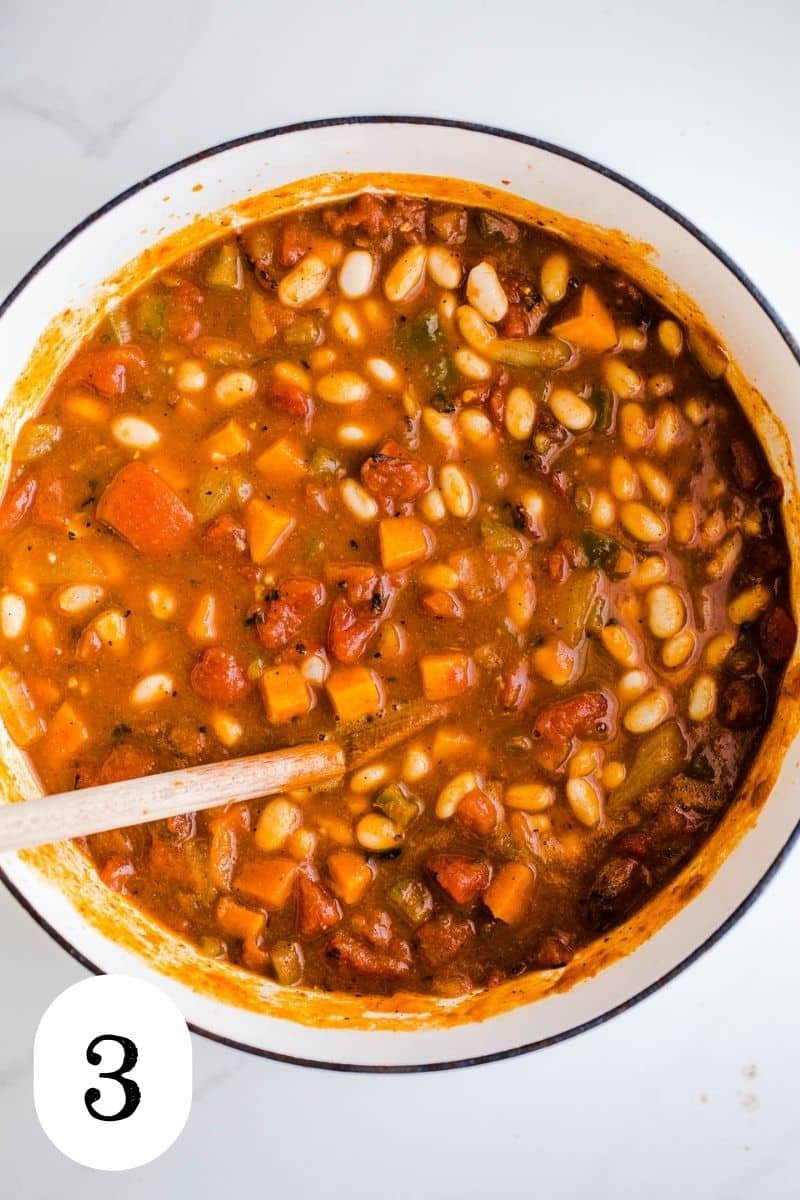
133, 1095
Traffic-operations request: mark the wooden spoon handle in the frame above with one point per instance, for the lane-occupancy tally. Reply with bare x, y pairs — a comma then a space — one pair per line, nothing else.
115, 805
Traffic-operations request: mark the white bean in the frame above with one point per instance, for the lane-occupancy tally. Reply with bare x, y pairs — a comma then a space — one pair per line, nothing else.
585, 801
648, 711
702, 698
134, 432
444, 267
407, 275
13, 615
666, 610
305, 282
234, 387
520, 413
152, 689
458, 492
472, 365
342, 387
453, 792
78, 597
358, 500
485, 292
356, 274
571, 410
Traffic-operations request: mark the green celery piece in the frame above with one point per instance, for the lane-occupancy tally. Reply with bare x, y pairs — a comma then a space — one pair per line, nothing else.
659, 755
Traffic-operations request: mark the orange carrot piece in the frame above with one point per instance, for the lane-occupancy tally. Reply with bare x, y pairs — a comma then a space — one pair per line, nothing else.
285, 693
508, 896
141, 507
267, 529
282, 463
446, 675
403, 541
226, 442
66, 735
350, 875
592, 328
269, 882
355, 692
238, 921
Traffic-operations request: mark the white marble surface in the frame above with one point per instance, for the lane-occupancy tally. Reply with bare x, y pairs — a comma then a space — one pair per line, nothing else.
696, 1091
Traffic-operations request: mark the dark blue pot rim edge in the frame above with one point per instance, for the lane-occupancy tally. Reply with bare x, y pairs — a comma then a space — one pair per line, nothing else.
776, 321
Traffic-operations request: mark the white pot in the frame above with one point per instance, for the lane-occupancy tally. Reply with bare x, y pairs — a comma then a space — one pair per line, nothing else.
56, 885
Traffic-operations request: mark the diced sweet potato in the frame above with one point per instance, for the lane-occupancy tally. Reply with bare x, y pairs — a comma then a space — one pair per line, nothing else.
317, 910
239, 921
509, 894
350, 875
226, 442
462, 878
145, 510
355, 692
267, 528
66, 734
403, 541
285, 693
282, 463
592, 327
446, 675
269, 882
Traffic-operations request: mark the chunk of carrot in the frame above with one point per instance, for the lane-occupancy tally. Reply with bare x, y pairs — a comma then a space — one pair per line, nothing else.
268, 882
226, 442
285, 693
508, 896
66, 734
355, 692
592, 327
282, 463
18, 708
451, 742
141, 507
238, 921
267, 529
403, 541
350, 875
446, 675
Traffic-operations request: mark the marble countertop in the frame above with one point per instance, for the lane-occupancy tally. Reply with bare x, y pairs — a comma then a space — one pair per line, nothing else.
695, 1091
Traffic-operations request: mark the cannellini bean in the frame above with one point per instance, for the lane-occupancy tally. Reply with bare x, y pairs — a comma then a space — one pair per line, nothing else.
474, 330
459, 494
702, 698
446, 308
358, 500
453, 792
678, 649
684, 523
161, 602
134, 433
234, 387
648, 711
623, 478
718, 649
620, 645
571, 410
226, 728
112, 628
356, 274
634, 427
656, 482
152, 689
384, 373
369, 778
642, 523
660, 385
416, 764
521, 601
432, 505
315, 668
668, 429
354, 435
749, 604
725, 558
342, 387
603, 512
554, 277
277, 822
346, 325
478, 430
291, 372
632, 684
78, 597
520, 413
613, 774
650, 570
670, 336
13, 615
666, 611
485, 293
305, 282
534, 505
585, 801
444, 267
585, 761
442, 426
472, 365
530, 797
554, 661
191, 376
202, 625
439, 575
377, 833
631, 338
406, 275
623, 380
696, 412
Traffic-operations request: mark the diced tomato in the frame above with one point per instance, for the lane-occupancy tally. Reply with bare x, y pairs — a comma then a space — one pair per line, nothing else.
443, 938
580, 716
117, 873
317, 910
356, 955
106, 370
393, 475
127, 761
290, 399
226, 535
146, 511
217, 676
477, 813
17, 503
462, 878
349, 631
282, 617
183, 322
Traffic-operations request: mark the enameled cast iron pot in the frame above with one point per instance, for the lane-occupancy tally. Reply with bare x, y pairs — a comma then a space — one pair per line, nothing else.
138, 233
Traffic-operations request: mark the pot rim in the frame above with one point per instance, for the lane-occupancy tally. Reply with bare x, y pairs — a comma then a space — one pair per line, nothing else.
739, 274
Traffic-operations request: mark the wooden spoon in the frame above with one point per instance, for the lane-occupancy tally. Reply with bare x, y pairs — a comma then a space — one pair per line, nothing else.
132, 801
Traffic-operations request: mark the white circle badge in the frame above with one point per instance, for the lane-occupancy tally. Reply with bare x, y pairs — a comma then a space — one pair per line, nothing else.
112, 1072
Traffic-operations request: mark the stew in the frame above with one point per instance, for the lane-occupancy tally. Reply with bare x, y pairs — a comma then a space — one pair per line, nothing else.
371, 452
